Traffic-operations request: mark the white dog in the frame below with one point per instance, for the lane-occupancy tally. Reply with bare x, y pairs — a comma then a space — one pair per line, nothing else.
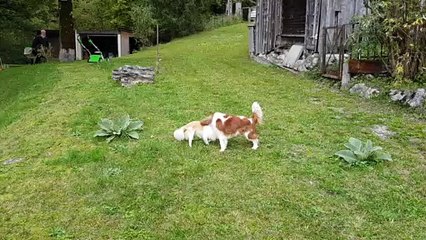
187, 132
227, 126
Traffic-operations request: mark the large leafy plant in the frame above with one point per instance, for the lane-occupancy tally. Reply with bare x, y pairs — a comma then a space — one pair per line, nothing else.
358, 152
120, 127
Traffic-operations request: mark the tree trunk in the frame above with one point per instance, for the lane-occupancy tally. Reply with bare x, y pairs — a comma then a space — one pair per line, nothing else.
238, 9
66, 25
229, 8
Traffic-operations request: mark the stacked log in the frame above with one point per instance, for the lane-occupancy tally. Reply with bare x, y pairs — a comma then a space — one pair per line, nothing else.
129, 76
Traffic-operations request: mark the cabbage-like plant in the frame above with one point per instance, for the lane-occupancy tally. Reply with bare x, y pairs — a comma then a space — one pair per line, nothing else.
120, 127
362, 153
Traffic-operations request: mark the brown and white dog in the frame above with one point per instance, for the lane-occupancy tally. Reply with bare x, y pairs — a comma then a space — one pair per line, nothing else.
227, 126
187, 132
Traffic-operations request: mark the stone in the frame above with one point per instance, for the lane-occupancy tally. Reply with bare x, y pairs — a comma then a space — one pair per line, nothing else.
397, 95
311, 61
369, 76
413, 99
289, 59
261, 59
274, 59
364, 91
283, 55
299, 65
133, 75
382, 131
418, 99
13, 161
294, 54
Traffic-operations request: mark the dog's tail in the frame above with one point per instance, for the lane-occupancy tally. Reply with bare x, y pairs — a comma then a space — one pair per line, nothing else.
179, 134
257, 113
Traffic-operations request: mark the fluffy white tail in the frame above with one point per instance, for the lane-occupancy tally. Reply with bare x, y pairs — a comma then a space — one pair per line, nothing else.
257, 112
179, 134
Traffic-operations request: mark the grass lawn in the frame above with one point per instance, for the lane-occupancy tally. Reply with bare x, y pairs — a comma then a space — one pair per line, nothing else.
73, 186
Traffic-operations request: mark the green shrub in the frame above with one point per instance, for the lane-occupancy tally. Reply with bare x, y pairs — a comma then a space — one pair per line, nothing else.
119, 127
362, 153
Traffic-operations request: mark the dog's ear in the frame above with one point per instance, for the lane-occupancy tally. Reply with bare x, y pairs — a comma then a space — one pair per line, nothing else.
206, 121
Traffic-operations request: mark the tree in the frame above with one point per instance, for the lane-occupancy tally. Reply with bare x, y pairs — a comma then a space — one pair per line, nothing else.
66, 24
143, 23
229, 8
175, 17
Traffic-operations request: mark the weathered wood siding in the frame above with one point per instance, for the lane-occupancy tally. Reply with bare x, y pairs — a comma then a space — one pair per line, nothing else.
337, 13
340, 12
268, 25
319, 14
312, 24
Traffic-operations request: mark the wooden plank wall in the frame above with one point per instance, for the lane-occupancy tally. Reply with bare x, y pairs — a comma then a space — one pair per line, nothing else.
312, 22
340, 12
320, 14
268, 24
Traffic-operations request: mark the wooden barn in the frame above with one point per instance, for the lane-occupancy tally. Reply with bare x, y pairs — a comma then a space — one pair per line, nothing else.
283, 23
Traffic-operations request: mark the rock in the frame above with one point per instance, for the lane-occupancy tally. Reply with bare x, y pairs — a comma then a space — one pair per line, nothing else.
274, 59
364, 91
261, 59
290, 59
412, 98
133, 75
294, 54
13, 161
418, 99
283, 55
300, 66
397, 95
369, 76
311, 61
382, 131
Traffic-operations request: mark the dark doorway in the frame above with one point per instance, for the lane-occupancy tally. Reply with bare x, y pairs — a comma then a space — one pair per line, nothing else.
294, 18
107, 45
293, 23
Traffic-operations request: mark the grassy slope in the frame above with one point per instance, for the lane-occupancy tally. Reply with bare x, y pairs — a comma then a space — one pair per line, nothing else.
74, 186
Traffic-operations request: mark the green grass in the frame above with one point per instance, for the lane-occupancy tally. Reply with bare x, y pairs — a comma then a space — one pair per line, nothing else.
74, 186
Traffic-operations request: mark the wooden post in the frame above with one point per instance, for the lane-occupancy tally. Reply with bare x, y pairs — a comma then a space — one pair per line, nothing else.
323, 50
157, 65
341, 49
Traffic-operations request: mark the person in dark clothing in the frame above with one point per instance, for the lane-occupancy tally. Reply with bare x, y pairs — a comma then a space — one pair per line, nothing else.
38, 42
